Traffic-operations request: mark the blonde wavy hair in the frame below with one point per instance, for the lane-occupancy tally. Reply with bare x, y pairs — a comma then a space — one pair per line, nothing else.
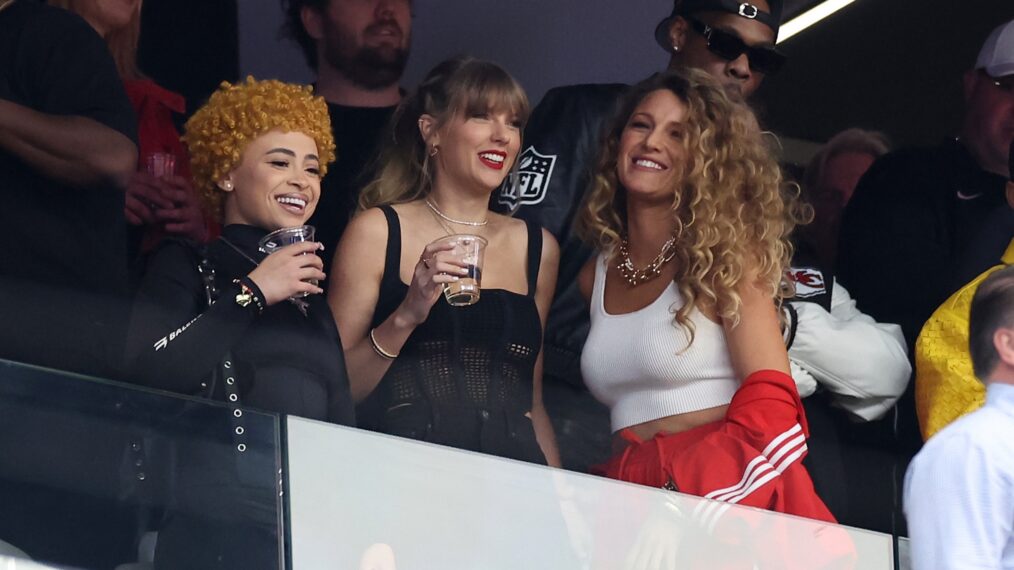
218, 133
733, 214
461, 85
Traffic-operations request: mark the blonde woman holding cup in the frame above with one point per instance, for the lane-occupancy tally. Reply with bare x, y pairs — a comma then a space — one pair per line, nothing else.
467, 376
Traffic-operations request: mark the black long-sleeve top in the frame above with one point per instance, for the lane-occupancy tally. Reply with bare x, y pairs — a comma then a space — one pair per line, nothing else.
285, 361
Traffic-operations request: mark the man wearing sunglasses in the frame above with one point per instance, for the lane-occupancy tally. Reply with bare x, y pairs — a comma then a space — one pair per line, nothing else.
733, 41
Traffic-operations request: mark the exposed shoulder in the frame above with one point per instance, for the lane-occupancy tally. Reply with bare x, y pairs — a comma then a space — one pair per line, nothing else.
363, 244
367, 225
550, 247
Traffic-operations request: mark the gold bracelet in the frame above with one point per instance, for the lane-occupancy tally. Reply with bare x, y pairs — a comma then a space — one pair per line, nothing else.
377, 348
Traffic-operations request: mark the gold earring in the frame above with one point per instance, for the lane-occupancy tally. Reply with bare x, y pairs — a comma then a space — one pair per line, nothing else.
434, 150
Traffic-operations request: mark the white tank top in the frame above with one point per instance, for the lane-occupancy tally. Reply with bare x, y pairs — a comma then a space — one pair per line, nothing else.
633, 364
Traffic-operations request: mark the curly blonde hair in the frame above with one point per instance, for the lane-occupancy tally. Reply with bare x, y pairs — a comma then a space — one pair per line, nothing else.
733, 214
461, 85
235, 115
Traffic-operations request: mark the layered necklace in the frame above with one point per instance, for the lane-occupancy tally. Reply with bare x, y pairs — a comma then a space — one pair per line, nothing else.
433, 207
635, 276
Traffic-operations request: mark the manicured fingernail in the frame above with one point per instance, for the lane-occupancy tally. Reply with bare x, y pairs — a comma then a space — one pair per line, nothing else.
463, 270
456, 278
320, 245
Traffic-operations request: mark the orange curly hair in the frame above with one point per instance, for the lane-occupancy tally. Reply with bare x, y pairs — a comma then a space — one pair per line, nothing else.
235, 115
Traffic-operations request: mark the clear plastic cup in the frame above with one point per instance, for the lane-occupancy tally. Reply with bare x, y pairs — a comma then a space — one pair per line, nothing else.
161, 164
465, 291
287, 236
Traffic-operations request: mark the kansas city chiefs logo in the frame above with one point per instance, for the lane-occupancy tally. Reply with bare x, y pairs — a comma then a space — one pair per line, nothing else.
809, 282
534, 172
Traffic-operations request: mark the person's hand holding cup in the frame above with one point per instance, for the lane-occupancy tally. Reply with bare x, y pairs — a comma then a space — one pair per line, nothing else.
290, 272
293, 243
441, 263
466, 290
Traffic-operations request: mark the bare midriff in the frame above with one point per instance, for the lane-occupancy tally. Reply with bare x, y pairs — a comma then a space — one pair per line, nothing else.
671, 424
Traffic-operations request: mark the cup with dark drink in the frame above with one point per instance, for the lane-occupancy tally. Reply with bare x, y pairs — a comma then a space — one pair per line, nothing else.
465, 291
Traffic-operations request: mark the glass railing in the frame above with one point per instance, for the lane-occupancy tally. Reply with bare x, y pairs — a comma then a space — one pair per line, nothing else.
102, 475
96, 474
364, 500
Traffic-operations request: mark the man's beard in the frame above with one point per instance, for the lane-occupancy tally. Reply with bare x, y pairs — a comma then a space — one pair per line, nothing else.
369, 67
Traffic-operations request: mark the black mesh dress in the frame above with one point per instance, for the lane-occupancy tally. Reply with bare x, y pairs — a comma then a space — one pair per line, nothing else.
464, 376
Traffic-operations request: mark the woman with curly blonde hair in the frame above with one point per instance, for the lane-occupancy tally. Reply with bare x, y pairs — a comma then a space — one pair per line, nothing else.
691, 222
229, 322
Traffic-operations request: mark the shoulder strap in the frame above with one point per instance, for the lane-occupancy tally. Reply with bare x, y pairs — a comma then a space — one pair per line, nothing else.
392, 259
534, 255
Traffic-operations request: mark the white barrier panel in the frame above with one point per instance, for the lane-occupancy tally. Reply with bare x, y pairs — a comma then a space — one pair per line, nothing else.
360, 500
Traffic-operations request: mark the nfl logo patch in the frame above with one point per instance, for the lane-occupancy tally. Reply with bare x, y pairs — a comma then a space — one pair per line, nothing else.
809, 281
534, 172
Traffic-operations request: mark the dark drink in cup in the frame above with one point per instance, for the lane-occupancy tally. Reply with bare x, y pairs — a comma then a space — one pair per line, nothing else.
466, 290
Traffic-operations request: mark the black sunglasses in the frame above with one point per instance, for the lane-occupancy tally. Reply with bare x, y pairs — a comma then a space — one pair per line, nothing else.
728, 46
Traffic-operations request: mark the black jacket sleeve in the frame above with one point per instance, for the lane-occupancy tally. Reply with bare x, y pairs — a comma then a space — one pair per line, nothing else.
175, 339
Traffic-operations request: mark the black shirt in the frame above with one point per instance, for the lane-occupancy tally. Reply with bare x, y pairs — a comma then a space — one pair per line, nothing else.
53, 62
913, 232
286, 362
464, 377
63, 266
357, 136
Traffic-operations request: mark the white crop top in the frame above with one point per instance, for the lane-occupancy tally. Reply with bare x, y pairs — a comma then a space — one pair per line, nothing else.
633, 364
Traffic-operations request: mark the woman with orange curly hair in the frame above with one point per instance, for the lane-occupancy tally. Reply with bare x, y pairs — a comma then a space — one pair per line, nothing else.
691, 223
258, 151
231, 323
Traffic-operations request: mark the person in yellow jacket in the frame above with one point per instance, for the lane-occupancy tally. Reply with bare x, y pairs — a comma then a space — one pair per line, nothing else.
945, 385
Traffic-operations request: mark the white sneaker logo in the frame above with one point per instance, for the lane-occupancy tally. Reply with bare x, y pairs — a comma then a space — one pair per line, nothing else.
963, 196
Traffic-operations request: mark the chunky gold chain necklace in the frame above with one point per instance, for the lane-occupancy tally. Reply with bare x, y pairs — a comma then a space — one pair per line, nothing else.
635, 276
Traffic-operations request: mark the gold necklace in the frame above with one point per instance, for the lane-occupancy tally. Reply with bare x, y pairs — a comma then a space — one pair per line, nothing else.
635, 276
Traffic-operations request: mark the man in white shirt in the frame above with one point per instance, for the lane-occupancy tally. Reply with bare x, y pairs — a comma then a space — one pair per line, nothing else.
959, 490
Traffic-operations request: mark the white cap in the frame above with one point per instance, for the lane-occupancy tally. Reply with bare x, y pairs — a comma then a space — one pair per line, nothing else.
997, 53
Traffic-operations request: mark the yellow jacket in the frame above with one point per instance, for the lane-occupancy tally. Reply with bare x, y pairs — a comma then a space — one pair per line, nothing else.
945, 386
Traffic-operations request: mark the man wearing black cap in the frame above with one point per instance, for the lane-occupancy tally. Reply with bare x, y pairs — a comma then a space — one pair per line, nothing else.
734, 42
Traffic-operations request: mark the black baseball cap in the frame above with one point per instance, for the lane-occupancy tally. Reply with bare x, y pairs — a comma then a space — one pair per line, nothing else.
743, 9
